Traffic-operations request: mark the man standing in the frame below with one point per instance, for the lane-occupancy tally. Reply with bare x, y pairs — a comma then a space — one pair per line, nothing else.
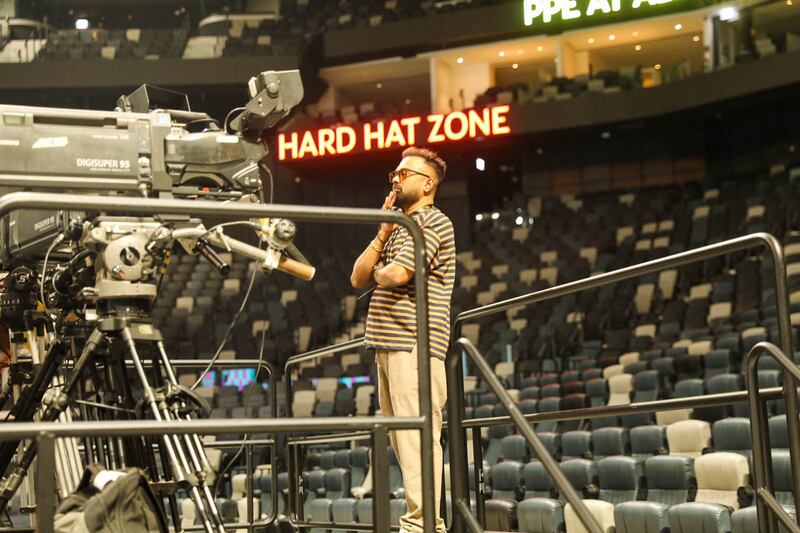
388, 261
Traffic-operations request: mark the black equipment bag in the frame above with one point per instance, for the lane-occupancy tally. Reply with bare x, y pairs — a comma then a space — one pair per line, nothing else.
126, 505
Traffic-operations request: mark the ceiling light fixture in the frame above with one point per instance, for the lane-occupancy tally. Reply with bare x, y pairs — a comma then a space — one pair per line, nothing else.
728, 14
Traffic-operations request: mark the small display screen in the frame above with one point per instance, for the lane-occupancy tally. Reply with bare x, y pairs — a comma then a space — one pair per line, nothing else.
347, 381
238, 377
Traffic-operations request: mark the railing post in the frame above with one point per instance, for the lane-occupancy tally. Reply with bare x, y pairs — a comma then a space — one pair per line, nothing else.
273, 448
762, 467
380, 479
45, 483
274, 496
295, 496
248, 457
480, 476
424, 376
456, 436
789, 379
762, 458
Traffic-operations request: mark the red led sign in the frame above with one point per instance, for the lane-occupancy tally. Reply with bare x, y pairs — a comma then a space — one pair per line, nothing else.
455, 126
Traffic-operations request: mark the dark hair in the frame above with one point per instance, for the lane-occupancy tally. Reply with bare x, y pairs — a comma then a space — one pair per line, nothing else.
431, 158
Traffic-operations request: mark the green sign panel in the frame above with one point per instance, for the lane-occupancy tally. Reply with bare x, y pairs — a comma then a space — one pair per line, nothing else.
540, 12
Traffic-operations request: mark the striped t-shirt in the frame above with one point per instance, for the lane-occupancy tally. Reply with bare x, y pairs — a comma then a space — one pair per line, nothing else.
392, 321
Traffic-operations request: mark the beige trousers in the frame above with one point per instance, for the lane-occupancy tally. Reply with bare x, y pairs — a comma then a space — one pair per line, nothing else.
398, 395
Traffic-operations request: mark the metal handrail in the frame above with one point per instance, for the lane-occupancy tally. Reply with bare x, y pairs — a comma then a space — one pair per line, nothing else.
312, 355
550, 465
236, 210
455, 382
762, 460
156, 428
586, 413
293, 464
45, 434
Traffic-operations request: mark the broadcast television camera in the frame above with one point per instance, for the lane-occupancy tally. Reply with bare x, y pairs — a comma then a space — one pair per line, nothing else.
152, 145
81, 286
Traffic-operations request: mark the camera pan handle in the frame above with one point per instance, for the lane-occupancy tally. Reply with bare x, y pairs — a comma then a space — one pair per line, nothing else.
296, 268
202, 247
285, 264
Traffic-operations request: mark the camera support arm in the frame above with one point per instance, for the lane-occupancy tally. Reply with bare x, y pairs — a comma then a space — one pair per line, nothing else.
269, 259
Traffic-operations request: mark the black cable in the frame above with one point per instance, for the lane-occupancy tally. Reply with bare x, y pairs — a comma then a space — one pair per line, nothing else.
245, 398
228, 333
228, 116
244, 300
268, 172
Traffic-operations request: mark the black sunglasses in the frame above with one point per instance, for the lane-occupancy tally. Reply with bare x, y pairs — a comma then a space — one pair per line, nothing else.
403, 174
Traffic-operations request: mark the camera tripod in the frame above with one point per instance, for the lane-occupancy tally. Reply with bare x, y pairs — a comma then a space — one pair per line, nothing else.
121, 336
127, 254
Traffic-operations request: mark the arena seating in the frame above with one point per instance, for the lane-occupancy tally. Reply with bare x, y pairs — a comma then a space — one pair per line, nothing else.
301, 18
285, 36
676, 334
132, 43
21, 50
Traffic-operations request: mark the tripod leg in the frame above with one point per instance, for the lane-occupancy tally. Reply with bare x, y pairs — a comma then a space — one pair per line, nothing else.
201, 455
88, 447
59, 403
193, 443
70, 476
167, 440
29, 401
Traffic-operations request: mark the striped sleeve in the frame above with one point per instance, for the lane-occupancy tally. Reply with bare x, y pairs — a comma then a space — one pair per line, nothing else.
432, 229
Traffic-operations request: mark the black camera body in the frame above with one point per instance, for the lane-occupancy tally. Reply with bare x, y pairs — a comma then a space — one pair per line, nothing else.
152, 145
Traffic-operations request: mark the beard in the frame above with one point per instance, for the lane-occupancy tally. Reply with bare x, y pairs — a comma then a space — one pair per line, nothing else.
405, 198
